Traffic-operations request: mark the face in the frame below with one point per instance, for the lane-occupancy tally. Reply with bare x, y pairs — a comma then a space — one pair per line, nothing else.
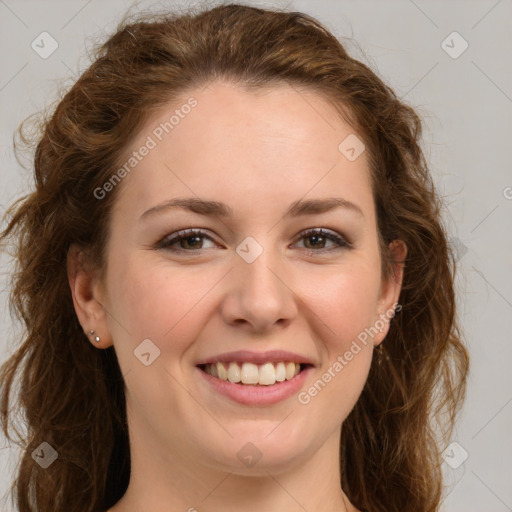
259, 279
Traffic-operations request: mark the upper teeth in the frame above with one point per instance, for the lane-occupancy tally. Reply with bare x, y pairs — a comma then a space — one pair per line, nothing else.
249, 373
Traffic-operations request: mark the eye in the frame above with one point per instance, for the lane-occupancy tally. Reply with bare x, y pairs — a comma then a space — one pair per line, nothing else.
190, 240
319, 238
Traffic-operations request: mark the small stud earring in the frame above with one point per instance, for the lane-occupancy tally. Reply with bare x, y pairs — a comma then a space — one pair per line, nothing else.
96, 338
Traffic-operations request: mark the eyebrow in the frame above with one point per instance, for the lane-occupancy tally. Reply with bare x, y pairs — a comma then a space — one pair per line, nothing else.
215, 208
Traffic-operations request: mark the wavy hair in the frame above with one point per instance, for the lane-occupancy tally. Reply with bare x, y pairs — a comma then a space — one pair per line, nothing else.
72, 396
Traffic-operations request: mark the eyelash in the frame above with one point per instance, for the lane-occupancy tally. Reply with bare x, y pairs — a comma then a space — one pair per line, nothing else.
170, 240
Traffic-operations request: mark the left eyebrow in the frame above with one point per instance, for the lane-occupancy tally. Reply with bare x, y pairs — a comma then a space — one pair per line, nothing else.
215, 208
317, 206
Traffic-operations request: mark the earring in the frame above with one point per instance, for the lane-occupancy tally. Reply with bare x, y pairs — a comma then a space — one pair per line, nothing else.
96, 338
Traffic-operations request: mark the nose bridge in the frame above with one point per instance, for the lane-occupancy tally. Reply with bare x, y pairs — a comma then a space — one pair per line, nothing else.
260, 294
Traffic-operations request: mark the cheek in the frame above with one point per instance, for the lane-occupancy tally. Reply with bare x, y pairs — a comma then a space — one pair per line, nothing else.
346, 301
153, 301
346, 305
335, 390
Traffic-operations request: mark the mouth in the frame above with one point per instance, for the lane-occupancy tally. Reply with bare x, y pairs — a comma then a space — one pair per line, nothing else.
255, 378
271, 373
251, 384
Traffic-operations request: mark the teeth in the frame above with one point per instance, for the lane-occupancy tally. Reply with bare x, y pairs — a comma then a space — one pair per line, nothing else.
290, 370
280, 372
221, 370
234, 373
249, 373
267, 374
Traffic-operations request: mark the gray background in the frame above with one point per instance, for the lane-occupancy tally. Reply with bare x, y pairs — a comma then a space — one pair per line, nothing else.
466, 106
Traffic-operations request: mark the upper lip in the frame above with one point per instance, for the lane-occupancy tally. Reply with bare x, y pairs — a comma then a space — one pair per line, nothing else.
248, 356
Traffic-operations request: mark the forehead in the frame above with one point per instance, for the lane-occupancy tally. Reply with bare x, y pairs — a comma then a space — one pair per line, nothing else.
278, 142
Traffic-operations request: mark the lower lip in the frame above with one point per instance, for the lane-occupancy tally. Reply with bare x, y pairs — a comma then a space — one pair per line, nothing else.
257, 394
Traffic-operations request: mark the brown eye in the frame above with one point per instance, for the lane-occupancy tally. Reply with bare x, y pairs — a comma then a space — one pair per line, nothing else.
192, 240
318, 239
188, 240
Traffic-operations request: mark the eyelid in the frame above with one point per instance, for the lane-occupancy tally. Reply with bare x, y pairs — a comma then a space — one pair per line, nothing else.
175, 237
339, 239
332, 235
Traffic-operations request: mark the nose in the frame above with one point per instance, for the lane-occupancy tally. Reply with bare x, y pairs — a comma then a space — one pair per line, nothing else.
259, 296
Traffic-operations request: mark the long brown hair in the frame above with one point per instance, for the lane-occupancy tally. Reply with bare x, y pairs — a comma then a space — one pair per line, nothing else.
72, 395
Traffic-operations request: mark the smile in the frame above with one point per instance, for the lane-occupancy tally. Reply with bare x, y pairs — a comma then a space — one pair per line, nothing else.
252, 384
265, 374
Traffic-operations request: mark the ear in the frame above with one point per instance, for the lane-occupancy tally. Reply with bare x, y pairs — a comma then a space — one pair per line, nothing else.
390, 290
88, 297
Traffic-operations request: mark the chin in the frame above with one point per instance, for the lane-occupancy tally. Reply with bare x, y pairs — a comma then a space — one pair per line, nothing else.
257, 454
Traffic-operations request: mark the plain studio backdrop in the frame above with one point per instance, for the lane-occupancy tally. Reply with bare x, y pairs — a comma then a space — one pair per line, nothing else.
449, 60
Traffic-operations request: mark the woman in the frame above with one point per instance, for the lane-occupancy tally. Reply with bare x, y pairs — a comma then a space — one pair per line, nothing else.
231, 216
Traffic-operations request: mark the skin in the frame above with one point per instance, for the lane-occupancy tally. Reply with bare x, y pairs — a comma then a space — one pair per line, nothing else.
257, 152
